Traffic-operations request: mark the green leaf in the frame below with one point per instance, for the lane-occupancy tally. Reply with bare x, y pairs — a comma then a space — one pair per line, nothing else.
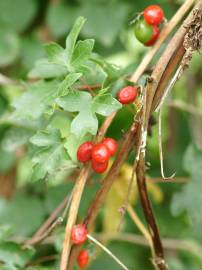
103, 21
113, 72
82, 52
14, 255
72, 144
60, 121
82, 102
36, 100
60, 17
55, 53
5, 232
105, 104
72, 37
45, 69
45, 138
86, 120
9, 47
17, 14
184, 201
93, 73
56, 194
75, 101
69, 80
32, 50
31, 214
15, 137
8, 160
50, 155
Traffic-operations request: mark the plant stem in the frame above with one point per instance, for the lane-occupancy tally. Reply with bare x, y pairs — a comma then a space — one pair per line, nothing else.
76, 198
92, 239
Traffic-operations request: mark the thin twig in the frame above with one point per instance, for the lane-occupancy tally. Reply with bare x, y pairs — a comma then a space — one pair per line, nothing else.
4, 80
161, 150
43, 260
46, 225
92, 87
177, 180
179, 104
140, 226
168, 243
136, 219
92, 239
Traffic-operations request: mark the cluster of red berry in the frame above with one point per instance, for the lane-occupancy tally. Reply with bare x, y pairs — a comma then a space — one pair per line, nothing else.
99, 154
78, 237
147, 28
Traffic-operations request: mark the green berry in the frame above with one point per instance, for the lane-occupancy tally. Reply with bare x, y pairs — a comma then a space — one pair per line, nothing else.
143, 31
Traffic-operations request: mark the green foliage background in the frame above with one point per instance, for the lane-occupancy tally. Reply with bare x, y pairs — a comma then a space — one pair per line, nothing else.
43, 122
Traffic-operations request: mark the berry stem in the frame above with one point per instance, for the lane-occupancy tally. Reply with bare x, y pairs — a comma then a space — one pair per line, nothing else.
92, 239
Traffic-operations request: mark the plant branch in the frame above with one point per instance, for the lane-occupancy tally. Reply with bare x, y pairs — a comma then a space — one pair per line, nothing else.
77, 193
150, 89
107, 182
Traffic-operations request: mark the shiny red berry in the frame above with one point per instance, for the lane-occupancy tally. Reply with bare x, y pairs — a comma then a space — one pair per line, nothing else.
99, 167
111, 145
155, 35
79, 234
127, 94
100, 153
84, 152
153, 14
83, 258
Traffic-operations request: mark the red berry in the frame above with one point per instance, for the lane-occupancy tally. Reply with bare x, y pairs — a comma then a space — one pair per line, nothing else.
100, 153
84, 152
79, 234
153, 14
111, 145
155, 35
127, 94
99, 167
83, 258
